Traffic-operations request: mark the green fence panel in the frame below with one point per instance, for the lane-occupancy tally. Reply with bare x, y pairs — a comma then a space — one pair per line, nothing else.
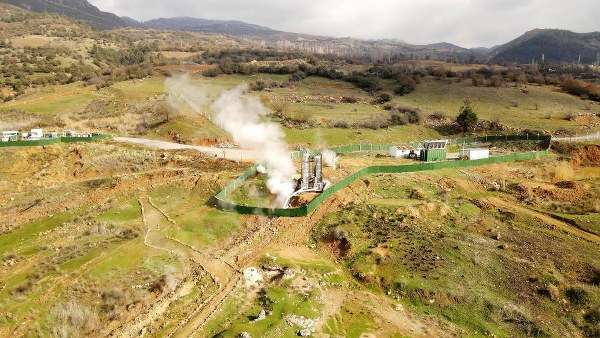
29, 143
44, 142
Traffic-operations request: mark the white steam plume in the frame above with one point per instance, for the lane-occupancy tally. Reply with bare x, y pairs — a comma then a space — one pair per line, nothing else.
242, 116
330, 158
182, 94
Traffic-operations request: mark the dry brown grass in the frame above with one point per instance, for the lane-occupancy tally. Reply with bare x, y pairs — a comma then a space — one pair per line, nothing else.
563, 171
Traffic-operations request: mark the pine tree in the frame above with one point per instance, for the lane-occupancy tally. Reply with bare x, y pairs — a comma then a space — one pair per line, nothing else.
467, 118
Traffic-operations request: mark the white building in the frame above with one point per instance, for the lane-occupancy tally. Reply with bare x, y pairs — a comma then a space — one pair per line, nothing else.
36, 134
10, 135
474, 153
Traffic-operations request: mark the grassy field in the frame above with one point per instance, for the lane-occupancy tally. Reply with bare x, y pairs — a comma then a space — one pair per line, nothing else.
323, 137
543, 107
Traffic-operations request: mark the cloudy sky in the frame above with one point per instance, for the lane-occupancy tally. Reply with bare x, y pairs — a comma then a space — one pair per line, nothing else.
469, 23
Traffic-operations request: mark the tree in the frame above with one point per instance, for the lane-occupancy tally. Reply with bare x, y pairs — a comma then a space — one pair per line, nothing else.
467, 118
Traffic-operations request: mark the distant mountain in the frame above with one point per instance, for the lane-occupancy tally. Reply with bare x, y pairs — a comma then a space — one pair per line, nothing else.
227, 27
557, 46
77, 9
130, 21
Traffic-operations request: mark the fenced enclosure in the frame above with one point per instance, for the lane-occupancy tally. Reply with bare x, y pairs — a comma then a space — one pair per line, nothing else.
222, 198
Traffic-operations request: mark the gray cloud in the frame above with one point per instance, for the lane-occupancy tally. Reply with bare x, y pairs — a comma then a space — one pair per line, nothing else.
469, 23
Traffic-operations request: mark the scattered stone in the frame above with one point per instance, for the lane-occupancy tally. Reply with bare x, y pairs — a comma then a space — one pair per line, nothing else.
244, 335
306, 325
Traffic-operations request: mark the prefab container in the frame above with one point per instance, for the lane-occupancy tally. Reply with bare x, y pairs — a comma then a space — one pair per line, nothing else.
36, 134
474, 153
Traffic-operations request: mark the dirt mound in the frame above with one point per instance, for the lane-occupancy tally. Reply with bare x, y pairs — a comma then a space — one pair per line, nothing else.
337, 241
302, 200
563, 191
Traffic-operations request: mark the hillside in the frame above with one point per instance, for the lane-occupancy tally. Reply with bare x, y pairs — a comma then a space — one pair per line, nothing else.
235, 28
77, 9
557, 46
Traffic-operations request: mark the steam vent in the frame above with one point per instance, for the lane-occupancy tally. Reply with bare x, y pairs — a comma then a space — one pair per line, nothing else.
312, 174
311, 179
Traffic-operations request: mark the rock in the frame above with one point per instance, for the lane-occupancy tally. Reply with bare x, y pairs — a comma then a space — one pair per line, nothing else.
306, 325
252, 277
553, 292
262, 315
244, 335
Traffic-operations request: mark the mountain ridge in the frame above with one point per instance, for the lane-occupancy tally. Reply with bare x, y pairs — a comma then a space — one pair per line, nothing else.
553, 45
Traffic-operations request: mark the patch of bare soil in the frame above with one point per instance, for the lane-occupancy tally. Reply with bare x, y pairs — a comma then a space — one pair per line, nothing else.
562, 191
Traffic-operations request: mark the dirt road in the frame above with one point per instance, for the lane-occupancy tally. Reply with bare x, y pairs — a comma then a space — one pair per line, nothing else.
233, 154
590, 137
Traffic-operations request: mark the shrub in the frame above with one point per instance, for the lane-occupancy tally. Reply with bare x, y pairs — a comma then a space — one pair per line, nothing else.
577, 295
340, 124
212, 72
383, 98
258, 85
581, 88
437, 116
349, 99
298, 76
406, 85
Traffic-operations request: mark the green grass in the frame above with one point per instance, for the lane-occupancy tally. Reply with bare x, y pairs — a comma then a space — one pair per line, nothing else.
253, 192
54, 99
21, 238
324, 112
126, 212
198, 224
138, 89
336, 136
188, 128
283, 303
351, 321
497, 103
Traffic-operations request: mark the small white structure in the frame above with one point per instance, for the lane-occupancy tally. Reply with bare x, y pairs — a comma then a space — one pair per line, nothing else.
474, 153
400, 151
36, 134
10, 135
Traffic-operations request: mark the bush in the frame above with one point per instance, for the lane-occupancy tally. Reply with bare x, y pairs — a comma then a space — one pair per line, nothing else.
212, 72
577, 295
406, 85
258, 85
581, 88
383, 98
298, 76
349, 99
340, 124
